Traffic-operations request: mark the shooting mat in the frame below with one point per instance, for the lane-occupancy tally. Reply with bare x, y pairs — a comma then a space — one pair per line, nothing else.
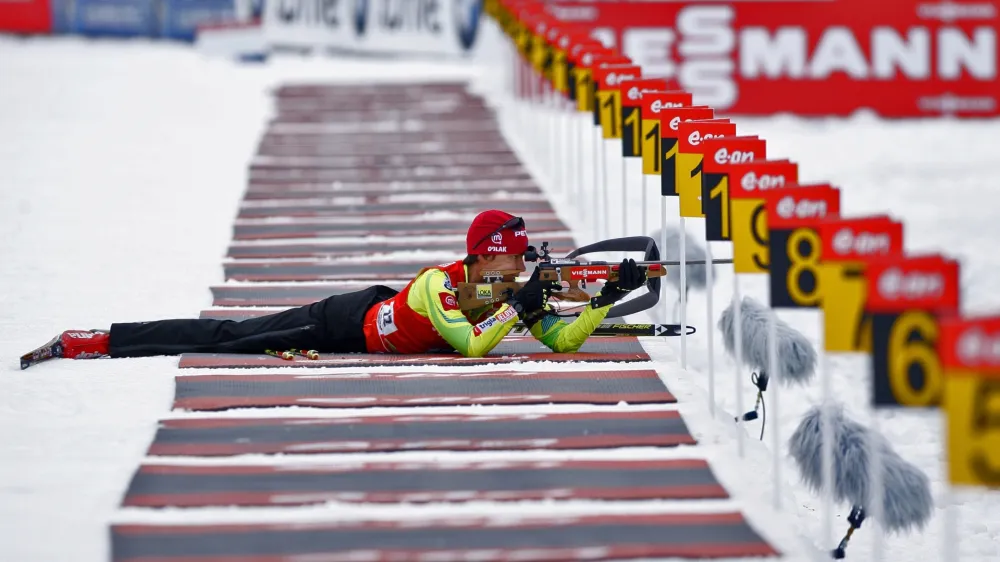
419, 388
510, 350
604, 537
412, 482
225, 436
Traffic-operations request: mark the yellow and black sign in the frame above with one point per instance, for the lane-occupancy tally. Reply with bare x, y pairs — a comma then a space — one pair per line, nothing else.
583, 79
749, 235
847, 327
972, 411
610, 108
750, 182
651, 143
906, 370
796, 273
631, 131
970, 363
560, 78
716, 189
691, 136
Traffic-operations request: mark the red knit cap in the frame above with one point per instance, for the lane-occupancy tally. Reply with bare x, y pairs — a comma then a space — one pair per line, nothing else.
506, 241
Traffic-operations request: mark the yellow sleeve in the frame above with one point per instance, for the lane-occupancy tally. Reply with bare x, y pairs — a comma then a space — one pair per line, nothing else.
562, 337
432, 296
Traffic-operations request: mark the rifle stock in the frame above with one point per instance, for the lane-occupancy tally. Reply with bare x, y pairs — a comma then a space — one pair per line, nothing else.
575, 277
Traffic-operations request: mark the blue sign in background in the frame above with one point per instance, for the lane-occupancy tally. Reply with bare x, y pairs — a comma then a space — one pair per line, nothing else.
180, 18
116, 18
168, 19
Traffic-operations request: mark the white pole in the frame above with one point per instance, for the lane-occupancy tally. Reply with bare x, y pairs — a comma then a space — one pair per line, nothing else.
710, 326
663, 244
683, 295
576, 147
775, 382
878, 487
605, 198
950, 535
567, 135
595, 143
554, 146
643, 199
624, 196
826, 436
738, 352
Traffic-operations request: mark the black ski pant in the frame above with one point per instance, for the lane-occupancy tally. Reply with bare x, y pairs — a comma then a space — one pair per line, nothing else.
332, 325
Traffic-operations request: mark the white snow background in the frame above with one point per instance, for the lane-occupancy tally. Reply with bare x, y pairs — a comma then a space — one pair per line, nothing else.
122, 165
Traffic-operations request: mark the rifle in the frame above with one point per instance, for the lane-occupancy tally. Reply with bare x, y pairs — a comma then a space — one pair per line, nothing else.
576, 274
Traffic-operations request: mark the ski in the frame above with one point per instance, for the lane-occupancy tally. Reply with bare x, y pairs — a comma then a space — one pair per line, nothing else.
610, 329
50, 350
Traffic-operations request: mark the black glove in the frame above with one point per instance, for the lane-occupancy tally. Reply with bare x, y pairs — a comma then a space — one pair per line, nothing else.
630, 278
529, 301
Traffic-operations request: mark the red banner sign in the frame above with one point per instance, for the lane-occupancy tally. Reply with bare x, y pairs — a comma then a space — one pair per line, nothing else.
25, 16
811, 57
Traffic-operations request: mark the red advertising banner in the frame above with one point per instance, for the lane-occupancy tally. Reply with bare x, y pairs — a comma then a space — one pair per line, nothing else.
901, 58
25, 16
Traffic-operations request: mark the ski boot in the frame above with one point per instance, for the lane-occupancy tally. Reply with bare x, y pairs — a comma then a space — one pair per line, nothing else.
71, 344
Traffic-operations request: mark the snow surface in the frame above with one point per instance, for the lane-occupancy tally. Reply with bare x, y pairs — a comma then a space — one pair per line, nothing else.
124, 164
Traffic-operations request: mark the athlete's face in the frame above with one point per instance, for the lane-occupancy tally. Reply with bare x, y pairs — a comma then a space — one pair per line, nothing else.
506, 262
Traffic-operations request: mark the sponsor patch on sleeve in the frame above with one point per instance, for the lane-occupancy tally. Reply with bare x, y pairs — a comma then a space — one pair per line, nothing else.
448, 301
499, 318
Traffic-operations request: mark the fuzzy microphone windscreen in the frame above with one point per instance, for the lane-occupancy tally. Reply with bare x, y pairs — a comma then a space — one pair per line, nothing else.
693, 251
796, 355
906, 495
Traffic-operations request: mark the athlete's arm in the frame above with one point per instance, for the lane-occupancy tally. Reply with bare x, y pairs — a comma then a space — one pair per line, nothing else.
431, 296
563, 337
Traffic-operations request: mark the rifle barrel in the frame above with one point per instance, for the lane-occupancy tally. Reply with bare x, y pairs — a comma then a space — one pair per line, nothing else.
686, 262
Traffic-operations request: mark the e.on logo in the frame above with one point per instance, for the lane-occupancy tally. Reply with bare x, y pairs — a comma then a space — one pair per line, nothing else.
977, 348
789, 208
634, 93
894, 284
696, 137
656, 106
616, 78
763, 182
723, 156
846, 241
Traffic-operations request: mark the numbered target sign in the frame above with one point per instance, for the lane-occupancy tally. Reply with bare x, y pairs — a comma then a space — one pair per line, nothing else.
907, 297
577, 50
969, 349
796, 206
560, 60
670, 120
690, 136
749, 182
848, 245
717, 155
609, 95
539, 43
631, 117
586, 90
654, 103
